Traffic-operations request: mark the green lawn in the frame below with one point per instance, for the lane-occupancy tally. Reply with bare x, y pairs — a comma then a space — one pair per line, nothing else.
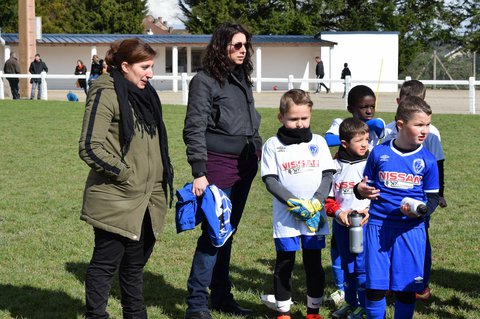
45, 248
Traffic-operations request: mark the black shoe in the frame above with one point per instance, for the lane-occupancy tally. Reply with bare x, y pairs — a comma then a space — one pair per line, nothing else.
328, 90
233, 308
198, 315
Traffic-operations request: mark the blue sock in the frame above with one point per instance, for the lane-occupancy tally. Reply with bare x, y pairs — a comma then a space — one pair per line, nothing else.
361, 280
376, 309
337, 268
404, 310
351, 289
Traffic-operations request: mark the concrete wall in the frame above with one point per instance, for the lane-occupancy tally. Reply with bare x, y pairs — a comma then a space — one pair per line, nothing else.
371, 56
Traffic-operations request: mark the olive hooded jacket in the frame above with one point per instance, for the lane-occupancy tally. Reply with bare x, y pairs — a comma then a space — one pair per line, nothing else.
119, 190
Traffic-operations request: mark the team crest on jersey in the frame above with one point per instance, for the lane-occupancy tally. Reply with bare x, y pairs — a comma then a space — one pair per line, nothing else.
313, 148
384, 158
418, 165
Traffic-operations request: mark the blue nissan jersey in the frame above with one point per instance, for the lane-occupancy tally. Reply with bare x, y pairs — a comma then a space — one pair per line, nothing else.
398, 175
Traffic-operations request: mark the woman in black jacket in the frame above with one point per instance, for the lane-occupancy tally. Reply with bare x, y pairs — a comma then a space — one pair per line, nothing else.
223, 148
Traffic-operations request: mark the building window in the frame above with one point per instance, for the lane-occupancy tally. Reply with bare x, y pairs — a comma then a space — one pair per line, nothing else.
197, 54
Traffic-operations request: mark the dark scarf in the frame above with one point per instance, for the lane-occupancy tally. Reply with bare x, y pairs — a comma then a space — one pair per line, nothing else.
294, 136
148, 112
343, 155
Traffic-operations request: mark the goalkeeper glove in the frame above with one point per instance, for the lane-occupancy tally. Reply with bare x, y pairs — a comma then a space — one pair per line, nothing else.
316, 221
303, 209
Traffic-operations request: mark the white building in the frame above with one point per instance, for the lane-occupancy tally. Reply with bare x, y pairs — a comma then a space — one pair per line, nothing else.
371, 56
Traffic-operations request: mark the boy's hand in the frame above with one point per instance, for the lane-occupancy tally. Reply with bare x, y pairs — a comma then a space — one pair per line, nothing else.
405, 209
365, 214
303, 208
442, 202
343, 217
366, 191
315, 222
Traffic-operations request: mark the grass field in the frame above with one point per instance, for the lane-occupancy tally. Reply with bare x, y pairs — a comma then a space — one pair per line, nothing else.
45, 248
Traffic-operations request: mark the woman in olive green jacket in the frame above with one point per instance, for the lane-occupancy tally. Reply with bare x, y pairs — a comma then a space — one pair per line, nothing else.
124, 142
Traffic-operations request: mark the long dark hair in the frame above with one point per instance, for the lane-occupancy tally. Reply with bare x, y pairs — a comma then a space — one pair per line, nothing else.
216, 61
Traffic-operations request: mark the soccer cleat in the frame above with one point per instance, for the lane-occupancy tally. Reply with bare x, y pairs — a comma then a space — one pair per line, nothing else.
337, 297
343, 312
359, 313
313, 316
284, 316
424, 295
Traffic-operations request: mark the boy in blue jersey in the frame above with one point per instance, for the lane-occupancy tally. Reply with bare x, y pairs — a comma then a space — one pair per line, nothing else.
350, 163
395, 237
297, 170
434, 145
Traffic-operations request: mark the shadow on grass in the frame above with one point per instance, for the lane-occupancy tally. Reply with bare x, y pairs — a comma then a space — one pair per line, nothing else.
255, 280
459, 283
157, 292
36, 303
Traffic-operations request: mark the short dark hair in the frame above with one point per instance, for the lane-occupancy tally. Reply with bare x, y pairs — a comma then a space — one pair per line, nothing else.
409, 106
297, 96
351, 127
412, 87
358, 92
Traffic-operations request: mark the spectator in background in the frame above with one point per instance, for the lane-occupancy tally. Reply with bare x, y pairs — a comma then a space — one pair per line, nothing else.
320, 73
81, 69
12, 67
345, 72
36, 67
96, 69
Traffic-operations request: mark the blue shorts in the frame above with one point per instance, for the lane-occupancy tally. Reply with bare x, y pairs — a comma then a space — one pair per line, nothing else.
394, 258
293, 243
351, 263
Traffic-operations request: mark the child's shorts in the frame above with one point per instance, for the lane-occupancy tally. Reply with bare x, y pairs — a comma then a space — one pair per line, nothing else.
394, 258
351, 263
293, 243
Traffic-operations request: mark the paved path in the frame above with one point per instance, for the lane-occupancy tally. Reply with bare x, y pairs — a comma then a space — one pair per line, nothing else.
441, 101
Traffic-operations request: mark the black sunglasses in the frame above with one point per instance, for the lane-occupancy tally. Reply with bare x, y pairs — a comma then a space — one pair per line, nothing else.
237, 46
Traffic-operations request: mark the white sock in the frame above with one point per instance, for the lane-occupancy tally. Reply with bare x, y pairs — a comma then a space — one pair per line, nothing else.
283, 305
314, 303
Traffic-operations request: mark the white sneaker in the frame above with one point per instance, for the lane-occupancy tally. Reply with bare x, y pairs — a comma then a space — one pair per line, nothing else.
337, 297
270, 301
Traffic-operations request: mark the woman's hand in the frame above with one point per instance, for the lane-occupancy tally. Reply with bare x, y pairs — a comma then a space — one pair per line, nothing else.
199, 185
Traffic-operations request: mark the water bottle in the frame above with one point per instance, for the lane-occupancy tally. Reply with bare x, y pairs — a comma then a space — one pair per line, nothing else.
417, 207
356, 232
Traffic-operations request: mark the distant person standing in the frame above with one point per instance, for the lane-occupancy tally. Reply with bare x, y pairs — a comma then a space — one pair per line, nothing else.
81, 69
96, 69
12, 67
320, 73
345, 72
36, 67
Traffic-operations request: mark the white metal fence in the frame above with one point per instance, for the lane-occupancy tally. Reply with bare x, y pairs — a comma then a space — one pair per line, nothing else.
290, 80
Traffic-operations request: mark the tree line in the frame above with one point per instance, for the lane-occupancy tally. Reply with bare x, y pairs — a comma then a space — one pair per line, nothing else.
423, 25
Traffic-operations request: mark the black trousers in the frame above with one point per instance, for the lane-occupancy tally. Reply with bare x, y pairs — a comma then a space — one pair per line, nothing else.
14, 88
113, 252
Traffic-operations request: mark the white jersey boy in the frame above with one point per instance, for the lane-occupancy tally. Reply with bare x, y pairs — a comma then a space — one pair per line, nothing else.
299, 169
